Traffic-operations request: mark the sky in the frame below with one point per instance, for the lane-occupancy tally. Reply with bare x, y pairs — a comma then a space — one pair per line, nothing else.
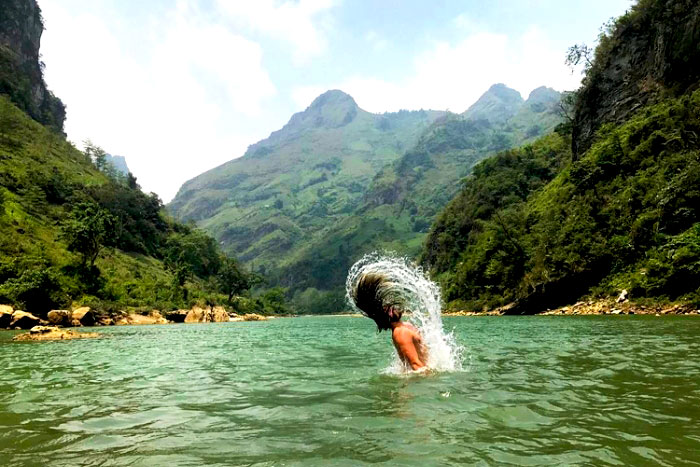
179, 87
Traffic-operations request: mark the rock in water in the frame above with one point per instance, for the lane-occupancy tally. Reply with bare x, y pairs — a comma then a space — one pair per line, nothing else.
23, 320
83, 317
60, 317
49, 333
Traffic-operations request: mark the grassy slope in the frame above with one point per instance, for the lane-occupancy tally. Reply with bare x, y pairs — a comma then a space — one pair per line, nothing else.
303, 179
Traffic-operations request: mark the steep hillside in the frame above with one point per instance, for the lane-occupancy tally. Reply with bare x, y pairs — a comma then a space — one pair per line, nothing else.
302, 179
21, 72
405, 196
542, 227
71, 233
649, 54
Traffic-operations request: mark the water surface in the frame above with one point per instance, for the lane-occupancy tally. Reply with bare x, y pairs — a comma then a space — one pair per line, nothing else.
312, 391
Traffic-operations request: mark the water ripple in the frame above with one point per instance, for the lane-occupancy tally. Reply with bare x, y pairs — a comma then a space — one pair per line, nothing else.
310, 391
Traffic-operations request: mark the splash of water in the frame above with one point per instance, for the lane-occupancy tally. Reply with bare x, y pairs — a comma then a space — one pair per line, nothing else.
423, 306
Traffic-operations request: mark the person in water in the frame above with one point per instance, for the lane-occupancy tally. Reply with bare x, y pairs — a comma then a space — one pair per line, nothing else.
374, 296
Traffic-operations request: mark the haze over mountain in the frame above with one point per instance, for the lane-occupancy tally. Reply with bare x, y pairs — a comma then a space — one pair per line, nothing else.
337, 182
119, 163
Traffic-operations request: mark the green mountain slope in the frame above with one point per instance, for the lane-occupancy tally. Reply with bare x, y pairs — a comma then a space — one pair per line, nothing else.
52, 198
302, 179
542, 226
405, 196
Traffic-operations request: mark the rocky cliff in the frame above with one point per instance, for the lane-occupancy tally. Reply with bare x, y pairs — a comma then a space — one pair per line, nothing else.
651, 52
21, 71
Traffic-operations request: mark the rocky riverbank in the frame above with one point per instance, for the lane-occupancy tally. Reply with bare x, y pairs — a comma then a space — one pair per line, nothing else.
85, 316
610, 306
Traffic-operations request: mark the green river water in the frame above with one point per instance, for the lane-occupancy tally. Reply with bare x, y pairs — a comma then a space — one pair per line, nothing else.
313, 391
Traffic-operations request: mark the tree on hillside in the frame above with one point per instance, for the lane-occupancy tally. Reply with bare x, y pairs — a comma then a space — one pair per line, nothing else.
579, 54
231, 279
97, 155
87, 230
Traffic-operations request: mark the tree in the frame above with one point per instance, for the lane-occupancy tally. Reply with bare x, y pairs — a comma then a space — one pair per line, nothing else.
579, 54
97, 155
87, 229
231, 279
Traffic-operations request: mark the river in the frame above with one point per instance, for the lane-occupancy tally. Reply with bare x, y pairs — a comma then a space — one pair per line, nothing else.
313, 391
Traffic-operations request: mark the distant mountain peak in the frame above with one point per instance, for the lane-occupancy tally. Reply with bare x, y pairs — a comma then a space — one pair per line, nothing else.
502, 91
333, 97
543, 93
119, 163
497, 104
542, 99
332, 109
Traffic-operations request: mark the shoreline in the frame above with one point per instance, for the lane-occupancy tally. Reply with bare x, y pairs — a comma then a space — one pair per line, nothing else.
593, 308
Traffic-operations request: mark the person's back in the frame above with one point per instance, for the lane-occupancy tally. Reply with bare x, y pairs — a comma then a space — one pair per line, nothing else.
372, 294
409, 345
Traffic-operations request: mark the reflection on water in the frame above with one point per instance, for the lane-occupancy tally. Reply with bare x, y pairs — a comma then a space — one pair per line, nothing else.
310, 391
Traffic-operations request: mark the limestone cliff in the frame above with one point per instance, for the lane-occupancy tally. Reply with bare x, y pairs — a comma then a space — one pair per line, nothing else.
652, 52
21, 71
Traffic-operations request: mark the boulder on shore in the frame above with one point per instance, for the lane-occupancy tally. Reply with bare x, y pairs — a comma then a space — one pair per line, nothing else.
153, 318
83, 316
196, 315
23, 320
219, 315
254, 317
60, 317
49, 333
207, 315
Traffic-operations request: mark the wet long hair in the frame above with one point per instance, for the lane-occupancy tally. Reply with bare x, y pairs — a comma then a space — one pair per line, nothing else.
376, 297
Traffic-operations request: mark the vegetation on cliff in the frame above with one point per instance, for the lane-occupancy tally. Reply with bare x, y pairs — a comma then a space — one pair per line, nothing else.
542, 227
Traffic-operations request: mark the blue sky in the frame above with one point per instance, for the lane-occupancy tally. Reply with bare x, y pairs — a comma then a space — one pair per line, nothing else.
179, 87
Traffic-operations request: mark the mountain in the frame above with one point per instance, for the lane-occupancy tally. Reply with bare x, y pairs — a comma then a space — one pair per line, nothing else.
294, 185
21, 71
119, 163
403, 198
497, 105
611, 204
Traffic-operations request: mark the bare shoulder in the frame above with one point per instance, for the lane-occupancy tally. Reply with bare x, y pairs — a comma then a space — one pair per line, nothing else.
407, 331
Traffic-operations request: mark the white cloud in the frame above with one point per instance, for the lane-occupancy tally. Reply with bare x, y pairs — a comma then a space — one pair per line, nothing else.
453, 76
169, 114
295, 22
